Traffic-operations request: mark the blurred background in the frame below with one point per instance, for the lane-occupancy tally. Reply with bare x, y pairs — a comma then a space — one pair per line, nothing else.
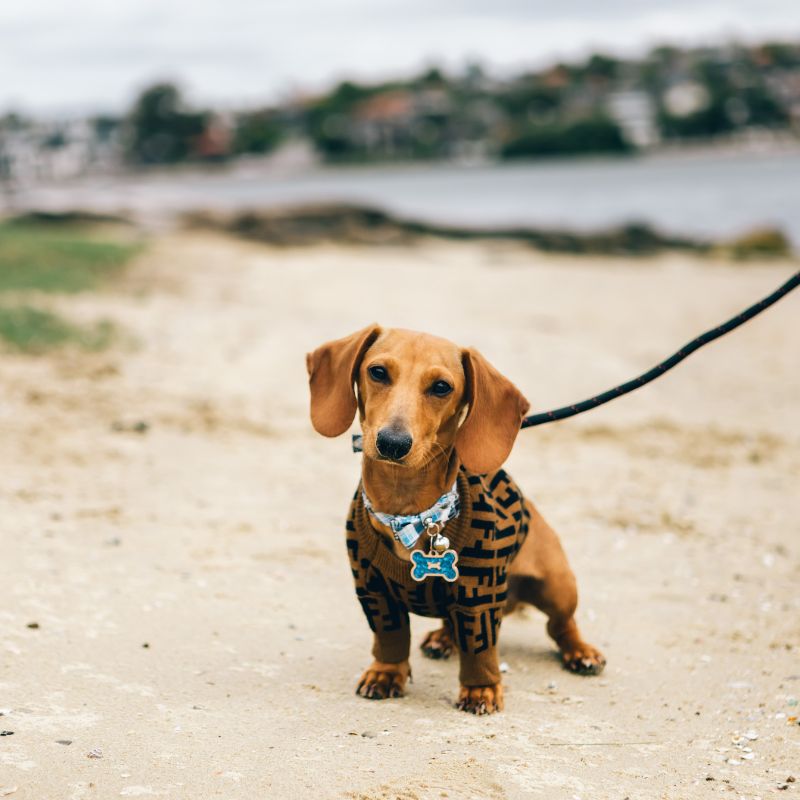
193, 195
682, 115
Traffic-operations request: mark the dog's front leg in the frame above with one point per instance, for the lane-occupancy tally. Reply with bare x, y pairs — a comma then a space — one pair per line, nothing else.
479, 669
388, 674
481, 691
383, 679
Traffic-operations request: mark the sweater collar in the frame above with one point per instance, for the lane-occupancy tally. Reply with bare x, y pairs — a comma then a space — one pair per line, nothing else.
407, 528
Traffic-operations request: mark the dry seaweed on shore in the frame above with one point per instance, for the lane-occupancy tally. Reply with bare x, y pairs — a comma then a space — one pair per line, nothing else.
314, 224
352, 224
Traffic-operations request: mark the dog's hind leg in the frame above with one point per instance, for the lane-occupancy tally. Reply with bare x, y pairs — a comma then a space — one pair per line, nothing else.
541, 576
439, 643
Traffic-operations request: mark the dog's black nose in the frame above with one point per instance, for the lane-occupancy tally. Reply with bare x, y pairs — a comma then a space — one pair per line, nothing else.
393, 443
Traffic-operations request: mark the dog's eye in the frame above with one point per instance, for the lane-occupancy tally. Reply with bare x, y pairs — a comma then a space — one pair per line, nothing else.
378, 374
441, 389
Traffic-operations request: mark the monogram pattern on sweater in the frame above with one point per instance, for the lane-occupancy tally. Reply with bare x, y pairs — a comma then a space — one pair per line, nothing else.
487, 539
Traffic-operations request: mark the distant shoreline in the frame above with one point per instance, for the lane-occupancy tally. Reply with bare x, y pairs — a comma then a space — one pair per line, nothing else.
275, 163
687, 194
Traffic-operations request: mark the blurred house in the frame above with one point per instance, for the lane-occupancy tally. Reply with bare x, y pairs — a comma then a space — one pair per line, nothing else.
635, 112
384, 123
785, 85
214, 143
33, 150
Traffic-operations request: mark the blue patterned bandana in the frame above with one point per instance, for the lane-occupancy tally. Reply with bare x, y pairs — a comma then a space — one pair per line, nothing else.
407, 528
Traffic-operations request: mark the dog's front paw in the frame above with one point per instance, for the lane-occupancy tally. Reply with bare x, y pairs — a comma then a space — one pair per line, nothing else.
438, 644
480, 699
382, 680
584, 660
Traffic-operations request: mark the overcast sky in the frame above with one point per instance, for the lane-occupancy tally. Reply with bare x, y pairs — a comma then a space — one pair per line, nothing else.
91, 55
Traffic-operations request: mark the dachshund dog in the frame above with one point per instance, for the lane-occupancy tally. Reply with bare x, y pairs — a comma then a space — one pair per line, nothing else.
438, 422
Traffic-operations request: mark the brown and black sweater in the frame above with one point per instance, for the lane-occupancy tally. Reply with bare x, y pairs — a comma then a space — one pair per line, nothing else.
487, 534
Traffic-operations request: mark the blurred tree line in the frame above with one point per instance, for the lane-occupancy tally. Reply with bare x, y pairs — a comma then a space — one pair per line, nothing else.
600, 105
162, 129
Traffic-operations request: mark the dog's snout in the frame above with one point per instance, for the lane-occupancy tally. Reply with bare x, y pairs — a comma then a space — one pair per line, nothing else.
393, 443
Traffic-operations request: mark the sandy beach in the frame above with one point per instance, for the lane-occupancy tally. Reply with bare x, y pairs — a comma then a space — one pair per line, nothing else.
176, 597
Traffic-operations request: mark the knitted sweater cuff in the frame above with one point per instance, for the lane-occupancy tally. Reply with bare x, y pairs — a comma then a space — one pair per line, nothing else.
481, 669
392, 647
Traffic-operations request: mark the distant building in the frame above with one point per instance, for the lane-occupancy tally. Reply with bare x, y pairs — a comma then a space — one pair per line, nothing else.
214, 143
634, 111
785, 85
402, 122
686, 98
384, 121
44, 151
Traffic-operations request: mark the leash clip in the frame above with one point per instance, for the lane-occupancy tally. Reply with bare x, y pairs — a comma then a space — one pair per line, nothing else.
438, 543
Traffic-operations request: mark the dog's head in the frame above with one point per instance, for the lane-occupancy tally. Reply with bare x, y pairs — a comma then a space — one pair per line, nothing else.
417, 395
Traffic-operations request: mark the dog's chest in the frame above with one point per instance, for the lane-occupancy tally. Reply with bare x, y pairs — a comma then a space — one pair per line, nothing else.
489, 531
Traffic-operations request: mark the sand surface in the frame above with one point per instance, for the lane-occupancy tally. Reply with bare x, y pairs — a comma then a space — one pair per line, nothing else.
196, 618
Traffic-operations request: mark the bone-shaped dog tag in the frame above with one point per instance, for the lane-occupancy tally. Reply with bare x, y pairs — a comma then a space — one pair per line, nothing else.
437, 566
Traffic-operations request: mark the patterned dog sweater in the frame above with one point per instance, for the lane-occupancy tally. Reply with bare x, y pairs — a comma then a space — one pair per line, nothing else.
487, 534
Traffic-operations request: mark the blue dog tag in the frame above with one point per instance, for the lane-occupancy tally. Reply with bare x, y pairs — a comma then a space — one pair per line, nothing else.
441, 566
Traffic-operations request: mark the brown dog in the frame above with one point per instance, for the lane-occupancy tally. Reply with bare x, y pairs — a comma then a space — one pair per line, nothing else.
436, 416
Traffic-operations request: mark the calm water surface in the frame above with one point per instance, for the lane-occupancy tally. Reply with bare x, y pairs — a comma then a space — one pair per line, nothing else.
707, 195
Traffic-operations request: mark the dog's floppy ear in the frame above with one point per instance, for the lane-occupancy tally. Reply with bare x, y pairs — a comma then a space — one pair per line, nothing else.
332, 371
496, 409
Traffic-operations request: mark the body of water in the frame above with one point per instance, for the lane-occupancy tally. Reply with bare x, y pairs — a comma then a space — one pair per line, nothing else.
714, 195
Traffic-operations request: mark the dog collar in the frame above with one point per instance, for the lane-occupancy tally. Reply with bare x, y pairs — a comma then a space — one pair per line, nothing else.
407, 528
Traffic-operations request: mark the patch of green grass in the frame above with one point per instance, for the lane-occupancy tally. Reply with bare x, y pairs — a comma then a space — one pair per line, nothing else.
761, 243
30, 330
58, 258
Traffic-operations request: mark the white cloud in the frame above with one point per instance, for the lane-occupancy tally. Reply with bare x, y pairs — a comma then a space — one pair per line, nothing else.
96, 54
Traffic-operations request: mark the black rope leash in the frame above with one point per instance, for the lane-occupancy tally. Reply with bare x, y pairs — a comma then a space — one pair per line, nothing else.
667, 364
657, 371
